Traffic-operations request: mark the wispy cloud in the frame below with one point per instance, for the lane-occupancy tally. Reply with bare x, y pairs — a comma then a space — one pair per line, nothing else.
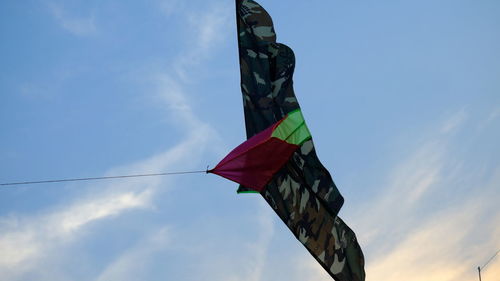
439, 248
50, 85
406, 240
133, 263
454, 122
405, 236
410, 179
209, 34
494, 114
26, 240
76, 25
258, 250
447, 246
224, 256
169, 7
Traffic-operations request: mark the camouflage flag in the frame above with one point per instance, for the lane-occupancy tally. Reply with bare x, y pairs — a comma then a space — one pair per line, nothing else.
302, 192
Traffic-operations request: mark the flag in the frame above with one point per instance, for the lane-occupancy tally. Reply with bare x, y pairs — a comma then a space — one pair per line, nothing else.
297, 186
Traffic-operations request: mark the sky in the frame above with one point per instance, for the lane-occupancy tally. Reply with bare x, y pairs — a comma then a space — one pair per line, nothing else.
402, 99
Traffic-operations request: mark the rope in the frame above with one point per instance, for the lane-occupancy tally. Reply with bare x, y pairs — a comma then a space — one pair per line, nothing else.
100, 178
492, 257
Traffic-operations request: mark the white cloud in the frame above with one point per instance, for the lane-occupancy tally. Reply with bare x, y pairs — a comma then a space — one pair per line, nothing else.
225, 257
211, 27
27, 240
308, 269
51, 85
32, 236
258, 249
405, 240
75, 25
494, 114
418, 173
440, 248
454, 122
169, 7
133, 264
409, 181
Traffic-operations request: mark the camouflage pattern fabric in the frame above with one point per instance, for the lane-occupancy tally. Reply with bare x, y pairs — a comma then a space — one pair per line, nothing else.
302, 193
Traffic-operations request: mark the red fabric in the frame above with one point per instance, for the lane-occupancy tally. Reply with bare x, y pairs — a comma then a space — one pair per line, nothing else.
247, 145
254, 162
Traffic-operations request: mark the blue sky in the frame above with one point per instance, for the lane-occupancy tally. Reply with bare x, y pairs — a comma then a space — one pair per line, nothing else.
402, 99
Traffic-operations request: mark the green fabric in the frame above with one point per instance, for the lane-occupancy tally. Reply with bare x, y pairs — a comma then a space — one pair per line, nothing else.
293, 129
247, 191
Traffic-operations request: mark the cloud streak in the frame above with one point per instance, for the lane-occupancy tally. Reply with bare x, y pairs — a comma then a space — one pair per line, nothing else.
133, 263
406, 241
79, 26
25, 239
209, 35
26, 242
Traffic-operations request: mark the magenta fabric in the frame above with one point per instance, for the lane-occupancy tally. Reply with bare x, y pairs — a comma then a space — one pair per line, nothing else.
254, 162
